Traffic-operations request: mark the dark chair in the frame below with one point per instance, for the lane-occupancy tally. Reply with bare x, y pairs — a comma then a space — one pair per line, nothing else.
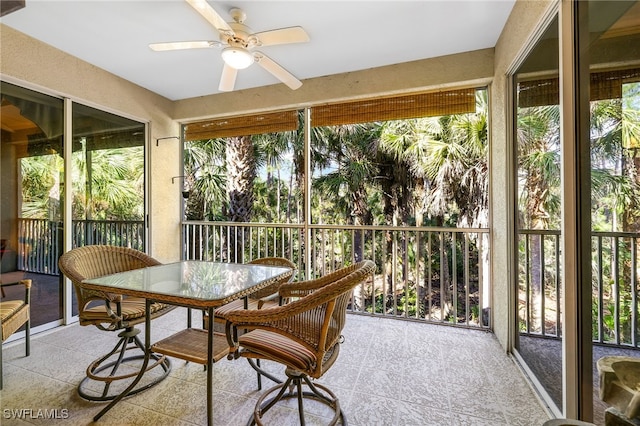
304, 335
13, 315
112, 312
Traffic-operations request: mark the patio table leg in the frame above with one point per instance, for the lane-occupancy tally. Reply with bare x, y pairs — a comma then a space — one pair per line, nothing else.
147, 347
210, 369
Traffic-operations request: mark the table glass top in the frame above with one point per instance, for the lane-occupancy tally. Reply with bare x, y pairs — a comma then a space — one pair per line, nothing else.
192, 279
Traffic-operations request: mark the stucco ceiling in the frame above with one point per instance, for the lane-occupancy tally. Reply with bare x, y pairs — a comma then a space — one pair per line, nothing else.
344, 36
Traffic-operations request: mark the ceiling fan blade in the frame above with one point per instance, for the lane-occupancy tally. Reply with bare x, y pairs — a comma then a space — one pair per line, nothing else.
179, 45
280, 73
228, 78
283, 36
209, 13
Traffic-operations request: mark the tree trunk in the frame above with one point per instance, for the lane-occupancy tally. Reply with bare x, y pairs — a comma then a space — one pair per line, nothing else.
241, 174
300, 176
631, 215
537, 189
361, 216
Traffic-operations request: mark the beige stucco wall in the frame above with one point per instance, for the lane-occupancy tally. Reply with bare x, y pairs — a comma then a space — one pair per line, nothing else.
525, 19
469, 69
39, 66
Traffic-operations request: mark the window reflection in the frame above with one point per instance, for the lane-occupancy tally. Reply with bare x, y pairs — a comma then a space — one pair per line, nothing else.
107, 179
615, 132
538, 184
31, 198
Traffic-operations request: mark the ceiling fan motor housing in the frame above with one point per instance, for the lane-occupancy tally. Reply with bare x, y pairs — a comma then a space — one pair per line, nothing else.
242, 36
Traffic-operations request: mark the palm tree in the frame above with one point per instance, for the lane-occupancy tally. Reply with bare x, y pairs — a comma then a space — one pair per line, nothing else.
615, 163
347, 152
107, 185
38, 180
205, 178
117, 184
241, 174
538, 132
270, 151
403, 189
434, 166
539, 166
615, 125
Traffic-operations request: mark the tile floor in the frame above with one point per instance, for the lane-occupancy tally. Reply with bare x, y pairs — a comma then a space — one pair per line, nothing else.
389, 372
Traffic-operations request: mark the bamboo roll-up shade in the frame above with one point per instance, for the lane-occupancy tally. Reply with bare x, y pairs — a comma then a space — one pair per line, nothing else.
539, 92
608, 85
603, 85
242, 126
396, 108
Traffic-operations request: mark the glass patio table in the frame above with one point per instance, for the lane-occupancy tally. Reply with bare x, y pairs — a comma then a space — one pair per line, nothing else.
193, 284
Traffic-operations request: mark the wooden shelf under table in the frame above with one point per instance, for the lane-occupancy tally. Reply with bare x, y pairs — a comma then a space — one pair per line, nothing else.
191, 345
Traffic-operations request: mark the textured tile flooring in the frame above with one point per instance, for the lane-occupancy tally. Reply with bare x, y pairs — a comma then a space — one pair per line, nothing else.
389, 372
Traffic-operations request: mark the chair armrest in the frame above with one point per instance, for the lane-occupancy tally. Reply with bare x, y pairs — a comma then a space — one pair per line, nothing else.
231, 331
91, 295
304, 288
303, 318
272, 318
269, 298
27, 288
21, 282
249, 317
109, 299
282, 319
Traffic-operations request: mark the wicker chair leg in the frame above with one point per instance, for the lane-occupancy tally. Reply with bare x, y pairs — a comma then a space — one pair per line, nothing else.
27, 350
1, 373
292, 388
128, 341
27, 338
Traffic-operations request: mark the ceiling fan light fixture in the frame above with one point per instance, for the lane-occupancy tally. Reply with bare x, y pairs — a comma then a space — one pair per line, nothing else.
237, 57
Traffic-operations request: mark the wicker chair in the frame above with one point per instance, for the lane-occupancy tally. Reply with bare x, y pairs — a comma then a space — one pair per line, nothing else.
268, 296
304, 335
13, 315
264, 298
112, 312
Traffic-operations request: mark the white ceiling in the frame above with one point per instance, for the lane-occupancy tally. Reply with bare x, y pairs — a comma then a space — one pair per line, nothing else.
345, 36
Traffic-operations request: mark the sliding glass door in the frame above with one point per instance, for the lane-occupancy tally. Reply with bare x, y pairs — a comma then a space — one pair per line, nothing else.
578, 192
539, 307
106, 170
614, 129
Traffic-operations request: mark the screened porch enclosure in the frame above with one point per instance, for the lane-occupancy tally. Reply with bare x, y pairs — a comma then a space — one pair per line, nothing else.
338, 183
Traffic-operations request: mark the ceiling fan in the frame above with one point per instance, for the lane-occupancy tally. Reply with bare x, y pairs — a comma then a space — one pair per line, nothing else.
237, 42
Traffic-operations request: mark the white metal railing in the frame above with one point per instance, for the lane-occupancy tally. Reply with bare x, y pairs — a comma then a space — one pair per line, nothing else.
39, 245
423, 273
40, 240
614, 285
415, 276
